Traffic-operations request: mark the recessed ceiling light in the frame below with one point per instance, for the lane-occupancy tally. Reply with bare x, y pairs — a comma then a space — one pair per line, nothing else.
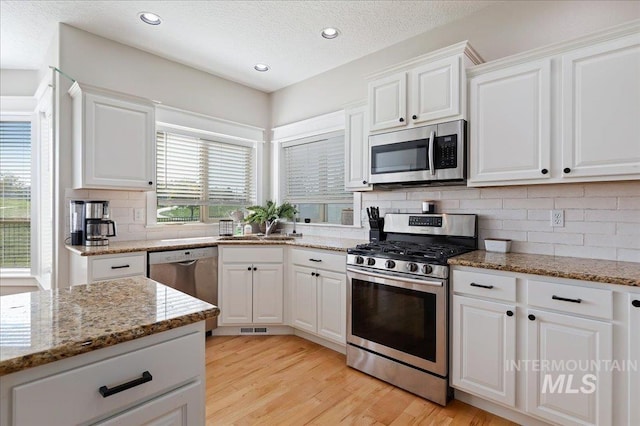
330, 32
261, 67
150, 18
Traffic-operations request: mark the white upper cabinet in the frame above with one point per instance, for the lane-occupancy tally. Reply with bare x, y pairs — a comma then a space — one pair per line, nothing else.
113, 140
601, 109
388, 100
435, 90
431, 86
356, 149
510, 116
564, 113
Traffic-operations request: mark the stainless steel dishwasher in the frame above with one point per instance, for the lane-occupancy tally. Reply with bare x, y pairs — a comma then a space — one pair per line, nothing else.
191, 271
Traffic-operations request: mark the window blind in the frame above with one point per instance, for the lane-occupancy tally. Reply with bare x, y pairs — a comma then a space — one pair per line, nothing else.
315, 172
15, 188
193, 171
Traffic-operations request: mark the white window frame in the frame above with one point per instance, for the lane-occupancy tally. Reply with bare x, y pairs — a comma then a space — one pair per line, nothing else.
301, 132
21, 108
175, 120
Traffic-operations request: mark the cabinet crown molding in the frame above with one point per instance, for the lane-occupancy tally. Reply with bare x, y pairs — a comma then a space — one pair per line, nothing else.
462, 47
618, 31
78, 88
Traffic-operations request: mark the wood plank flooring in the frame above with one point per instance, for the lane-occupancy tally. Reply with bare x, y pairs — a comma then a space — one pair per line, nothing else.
287, 380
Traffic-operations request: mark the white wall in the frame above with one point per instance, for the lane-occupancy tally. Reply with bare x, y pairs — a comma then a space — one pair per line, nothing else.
18, 82
495, 32
104, 63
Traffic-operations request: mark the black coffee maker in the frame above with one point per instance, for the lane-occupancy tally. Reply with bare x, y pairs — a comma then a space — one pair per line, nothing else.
90, 224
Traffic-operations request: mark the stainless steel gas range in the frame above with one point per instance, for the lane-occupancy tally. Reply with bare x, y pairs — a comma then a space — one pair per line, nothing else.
397, 301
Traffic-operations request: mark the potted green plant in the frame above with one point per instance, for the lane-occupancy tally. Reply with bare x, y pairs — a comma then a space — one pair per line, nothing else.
270, 214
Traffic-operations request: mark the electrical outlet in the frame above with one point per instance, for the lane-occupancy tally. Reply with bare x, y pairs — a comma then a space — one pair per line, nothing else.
557, 218
138, 215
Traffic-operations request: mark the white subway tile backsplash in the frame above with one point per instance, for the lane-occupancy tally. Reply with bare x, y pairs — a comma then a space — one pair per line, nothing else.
423, 195
392, 196
489, 224
555, 238
608, 228
628, 255
526, 225
608, 189
104, 194
447, 206
629, 203
628, 228
618, 241
584, 251
459, 194
500, 233
592, 203
531, 204
127, 203
532, 248
612, 216
504, 192
555, 191
481, 204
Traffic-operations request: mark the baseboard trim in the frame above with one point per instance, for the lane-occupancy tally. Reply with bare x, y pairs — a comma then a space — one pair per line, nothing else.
498, 410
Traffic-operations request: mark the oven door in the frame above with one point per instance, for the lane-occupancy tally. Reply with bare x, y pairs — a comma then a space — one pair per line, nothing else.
402, 318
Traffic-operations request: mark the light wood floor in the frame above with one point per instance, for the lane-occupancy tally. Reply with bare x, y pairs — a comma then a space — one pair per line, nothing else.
286, 380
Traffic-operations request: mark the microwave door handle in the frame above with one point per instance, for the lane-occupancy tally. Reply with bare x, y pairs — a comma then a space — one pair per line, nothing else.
432, 167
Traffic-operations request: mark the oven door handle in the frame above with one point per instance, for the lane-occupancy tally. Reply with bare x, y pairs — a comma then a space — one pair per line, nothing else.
393, 277
432, 167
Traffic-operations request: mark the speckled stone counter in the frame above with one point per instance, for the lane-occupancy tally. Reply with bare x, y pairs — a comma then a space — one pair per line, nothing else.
596, 270
317, 242
47, 326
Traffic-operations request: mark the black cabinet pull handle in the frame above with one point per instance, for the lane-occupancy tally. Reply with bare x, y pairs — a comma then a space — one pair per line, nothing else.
567, 170
544, 171
565, 299
313, 274
255, 269
532, 317
120, 267
488, 287
248, 268
509, 313
415, 117
636, 303
105, 391
364, 182
317, 274
315, 260
150, 183
401, 120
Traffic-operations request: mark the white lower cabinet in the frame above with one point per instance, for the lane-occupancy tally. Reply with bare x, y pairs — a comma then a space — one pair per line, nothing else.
569, 388
546, 347
133, 383
318, 293
634, 355
251, 283
484, 348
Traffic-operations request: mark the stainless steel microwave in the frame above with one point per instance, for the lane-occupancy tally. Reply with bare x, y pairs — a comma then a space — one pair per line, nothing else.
420, 155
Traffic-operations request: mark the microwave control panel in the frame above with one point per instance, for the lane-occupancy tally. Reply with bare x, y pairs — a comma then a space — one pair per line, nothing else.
446, 152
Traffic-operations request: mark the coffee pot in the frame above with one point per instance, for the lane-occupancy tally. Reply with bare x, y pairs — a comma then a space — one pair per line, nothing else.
90, 223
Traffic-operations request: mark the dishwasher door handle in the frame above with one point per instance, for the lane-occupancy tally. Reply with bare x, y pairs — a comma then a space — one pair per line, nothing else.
188, 262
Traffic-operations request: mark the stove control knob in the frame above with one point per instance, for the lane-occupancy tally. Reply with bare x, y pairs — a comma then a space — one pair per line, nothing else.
412, 267
390, 264
426, 269
359, 260
371, 261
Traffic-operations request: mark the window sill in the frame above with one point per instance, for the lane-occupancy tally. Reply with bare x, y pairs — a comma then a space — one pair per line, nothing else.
319, 224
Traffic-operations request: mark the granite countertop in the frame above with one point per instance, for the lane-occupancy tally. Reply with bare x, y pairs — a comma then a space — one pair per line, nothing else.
316, 242
46, 326
603, 271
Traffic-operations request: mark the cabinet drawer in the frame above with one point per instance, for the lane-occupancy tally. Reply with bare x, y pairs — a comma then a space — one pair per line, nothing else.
73, 397
250, 254
118, 266
587, 301
486, 285
319, 259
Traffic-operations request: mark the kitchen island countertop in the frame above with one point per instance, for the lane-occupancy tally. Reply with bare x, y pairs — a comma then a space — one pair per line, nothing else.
596, 270
46, 326
312, 241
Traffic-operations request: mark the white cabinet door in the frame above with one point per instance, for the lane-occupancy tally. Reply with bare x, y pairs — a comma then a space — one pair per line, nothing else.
267, 293
571, 389
182, 407
236, 294
388, 102
332, 305
634, 354
356, 149
435, 90
600, 109
510, 123
119, 143
304, 299
484, 348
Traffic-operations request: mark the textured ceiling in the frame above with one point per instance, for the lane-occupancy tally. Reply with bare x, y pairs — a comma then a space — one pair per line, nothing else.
227, 38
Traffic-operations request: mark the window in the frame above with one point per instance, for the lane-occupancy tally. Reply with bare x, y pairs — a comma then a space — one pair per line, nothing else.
200, 180
15, 189
314, 179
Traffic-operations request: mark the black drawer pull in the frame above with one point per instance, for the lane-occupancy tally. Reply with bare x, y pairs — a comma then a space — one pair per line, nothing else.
315, 260
636, 303
105, 391
488, 287
531, 317
509, 313
564, 299
120, 267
